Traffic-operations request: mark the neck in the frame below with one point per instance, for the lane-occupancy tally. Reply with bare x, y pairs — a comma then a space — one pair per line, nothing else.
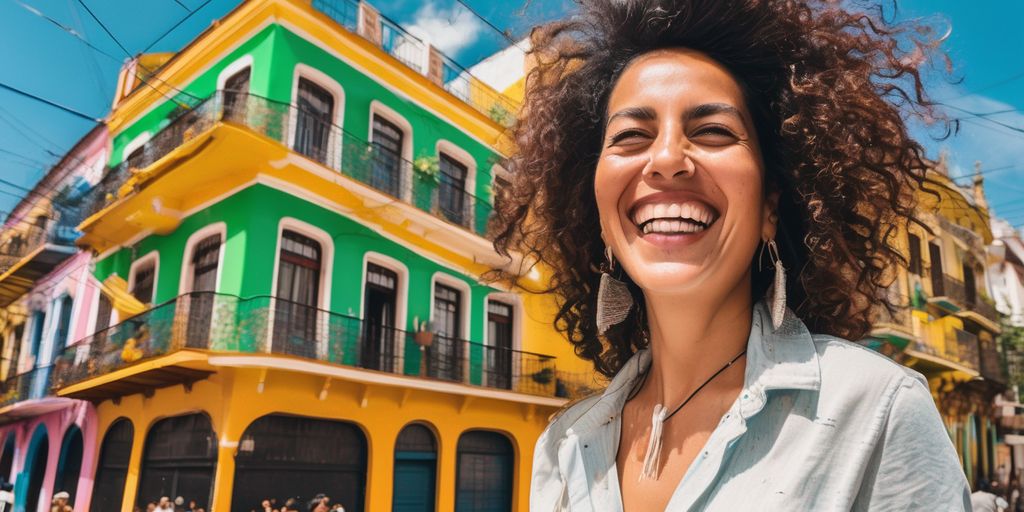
692, 338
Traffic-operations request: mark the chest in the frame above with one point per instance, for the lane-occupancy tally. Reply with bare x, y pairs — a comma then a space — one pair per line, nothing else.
684, 438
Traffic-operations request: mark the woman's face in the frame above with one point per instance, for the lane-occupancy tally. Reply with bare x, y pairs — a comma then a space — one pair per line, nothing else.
679, 180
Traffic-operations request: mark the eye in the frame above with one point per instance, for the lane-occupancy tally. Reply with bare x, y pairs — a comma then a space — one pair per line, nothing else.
714, 134
628, 135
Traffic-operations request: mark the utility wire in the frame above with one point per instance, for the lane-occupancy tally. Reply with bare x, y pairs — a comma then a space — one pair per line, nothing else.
104, 27
50, 103
176, 25
183, 6
504, 33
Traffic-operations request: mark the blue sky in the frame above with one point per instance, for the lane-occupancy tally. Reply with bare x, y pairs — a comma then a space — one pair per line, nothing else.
41, 58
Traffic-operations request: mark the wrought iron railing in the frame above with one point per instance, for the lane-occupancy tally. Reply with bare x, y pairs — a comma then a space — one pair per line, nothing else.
32, 384
225, 323
966, 344
411, 51
992, 367
314, 138
984, 308
22, 238
944, 285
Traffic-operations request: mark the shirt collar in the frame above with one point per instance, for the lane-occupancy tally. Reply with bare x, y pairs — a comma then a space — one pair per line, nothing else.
783, 358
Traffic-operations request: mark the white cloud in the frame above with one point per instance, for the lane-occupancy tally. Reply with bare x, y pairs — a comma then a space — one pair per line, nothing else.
448, 29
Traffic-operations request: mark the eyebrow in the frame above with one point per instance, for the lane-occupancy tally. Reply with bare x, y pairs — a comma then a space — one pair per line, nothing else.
704, 110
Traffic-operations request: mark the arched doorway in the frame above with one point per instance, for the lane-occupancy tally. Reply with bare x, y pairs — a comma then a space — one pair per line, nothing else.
69, 465
415, 470
34, 471
7, 458
281, 456
485, 465
108, 489
179, 460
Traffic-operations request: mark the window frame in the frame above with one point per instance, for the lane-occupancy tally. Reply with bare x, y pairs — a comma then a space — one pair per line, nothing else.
133, 271
323, 80
326, 275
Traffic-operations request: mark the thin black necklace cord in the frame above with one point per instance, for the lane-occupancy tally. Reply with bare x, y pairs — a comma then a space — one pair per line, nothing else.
694, 393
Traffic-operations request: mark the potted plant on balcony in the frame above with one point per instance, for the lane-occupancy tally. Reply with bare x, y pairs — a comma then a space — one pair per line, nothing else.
427, 168
543, 377
424, 336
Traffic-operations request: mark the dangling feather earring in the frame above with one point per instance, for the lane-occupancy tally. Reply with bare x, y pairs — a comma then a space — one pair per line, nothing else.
777, 291
613, 298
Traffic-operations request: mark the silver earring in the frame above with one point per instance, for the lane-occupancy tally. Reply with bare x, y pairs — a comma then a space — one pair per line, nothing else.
777, 291
613, 298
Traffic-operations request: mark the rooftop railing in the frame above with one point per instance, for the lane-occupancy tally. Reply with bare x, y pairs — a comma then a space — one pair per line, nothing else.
362, 19
225, 323
423, 184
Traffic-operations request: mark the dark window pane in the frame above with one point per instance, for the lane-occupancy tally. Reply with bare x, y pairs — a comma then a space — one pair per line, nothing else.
451, 192
484, 472
380, 302
387, 163
499, 355
444, 356
142, 287
313, 120
298, 288
179, 460
281, 456
236, 93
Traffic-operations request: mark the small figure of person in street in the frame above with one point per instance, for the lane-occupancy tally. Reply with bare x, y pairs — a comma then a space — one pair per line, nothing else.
60, 502
320, 503
165, 505
987, 500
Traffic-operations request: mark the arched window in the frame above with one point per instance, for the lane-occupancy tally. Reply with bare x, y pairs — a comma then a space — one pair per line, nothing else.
280, 456
315, 107
415, 470
7, 458
179, 460
204, 260
115, 452
69, 466
298, 292
483, 481
35, 467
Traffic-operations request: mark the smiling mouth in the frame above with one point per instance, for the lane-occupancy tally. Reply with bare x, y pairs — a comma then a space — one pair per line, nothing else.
674, 218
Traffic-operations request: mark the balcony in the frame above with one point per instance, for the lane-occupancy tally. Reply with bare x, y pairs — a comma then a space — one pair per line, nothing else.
209, 322
420, 185
947, 292
31, 385
362, 19
894, 325
29, 252
957, 346
992, 367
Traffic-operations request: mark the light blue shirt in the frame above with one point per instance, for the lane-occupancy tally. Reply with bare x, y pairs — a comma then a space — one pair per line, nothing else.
821, 424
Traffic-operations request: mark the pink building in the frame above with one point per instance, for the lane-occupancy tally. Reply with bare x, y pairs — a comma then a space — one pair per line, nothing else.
47, 293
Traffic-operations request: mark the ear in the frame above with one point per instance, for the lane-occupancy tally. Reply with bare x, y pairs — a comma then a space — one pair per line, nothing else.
770, 215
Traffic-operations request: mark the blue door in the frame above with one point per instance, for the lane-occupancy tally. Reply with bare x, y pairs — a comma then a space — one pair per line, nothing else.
414, 482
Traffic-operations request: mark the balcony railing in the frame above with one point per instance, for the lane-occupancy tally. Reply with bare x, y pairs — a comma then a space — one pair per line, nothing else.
984, 308
225, 323
959, 346
992, 367
359, 18
32, 384
310, 136
945, 286
24, 239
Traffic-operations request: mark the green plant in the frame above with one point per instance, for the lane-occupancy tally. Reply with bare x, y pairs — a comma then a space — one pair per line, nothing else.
427, 168
499, 114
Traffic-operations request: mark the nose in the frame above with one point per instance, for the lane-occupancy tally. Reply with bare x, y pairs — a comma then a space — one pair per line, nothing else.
670, 157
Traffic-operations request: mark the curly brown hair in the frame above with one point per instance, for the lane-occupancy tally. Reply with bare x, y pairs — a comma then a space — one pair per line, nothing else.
830, 89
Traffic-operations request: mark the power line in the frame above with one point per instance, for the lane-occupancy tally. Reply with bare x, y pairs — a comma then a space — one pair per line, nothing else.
104, 27
984, 118
992, 85
50, 103
504, 33
176, 25
183, 6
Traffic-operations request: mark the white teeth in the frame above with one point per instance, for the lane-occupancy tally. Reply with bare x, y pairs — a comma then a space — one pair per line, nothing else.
673, 210
672, 227
689, 216
660, 211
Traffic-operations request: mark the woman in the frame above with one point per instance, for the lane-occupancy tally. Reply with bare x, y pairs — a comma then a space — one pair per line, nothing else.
709, 183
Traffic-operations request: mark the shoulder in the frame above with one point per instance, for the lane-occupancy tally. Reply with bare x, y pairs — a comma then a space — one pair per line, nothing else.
859, 368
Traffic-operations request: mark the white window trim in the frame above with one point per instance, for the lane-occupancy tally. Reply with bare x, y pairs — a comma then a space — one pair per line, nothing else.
336, 90
401, 299
185, 281
144, 259
136, 143
241, 63
465, 307
379, 109
324, 288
